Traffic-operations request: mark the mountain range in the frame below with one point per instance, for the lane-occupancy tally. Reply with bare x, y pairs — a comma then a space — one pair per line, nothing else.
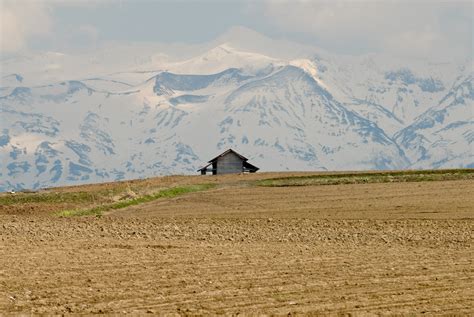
134, 111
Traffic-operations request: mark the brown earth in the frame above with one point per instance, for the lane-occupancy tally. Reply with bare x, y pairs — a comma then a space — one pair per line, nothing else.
365, 249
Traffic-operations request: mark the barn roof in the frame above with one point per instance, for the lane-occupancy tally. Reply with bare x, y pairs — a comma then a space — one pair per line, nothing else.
244, 159
204, 167
227, 152
250, 166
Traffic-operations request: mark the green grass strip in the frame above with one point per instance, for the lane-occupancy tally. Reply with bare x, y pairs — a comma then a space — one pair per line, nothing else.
56, 197
165, 193
50, 198
373, 177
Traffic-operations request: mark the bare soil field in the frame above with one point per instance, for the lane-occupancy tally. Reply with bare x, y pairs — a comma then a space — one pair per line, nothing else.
401, 248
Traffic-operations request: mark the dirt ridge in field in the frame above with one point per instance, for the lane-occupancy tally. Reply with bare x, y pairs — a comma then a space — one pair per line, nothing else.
361, 249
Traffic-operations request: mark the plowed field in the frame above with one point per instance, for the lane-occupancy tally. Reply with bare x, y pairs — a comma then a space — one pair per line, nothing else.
364, 249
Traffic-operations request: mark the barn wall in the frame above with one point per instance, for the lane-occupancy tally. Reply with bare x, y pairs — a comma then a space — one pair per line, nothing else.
229, 163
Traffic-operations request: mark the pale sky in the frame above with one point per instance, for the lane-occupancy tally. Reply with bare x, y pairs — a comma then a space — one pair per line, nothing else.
401, 28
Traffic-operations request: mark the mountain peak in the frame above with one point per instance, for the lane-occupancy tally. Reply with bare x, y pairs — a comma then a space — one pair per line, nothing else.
245, 39
220, 58
222, 50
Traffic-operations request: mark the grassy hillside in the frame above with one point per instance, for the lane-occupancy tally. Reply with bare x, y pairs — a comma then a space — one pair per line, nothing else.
98, 198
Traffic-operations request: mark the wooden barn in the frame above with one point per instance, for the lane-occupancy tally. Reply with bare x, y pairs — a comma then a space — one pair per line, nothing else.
227, 163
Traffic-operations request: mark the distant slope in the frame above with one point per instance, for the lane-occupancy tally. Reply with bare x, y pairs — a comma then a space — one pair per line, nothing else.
316, 112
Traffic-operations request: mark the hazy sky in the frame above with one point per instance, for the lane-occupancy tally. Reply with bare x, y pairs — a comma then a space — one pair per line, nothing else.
404, 28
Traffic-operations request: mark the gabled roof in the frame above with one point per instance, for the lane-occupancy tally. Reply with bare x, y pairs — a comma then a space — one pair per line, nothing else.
246, 164
204, 167
227, 152
250, 166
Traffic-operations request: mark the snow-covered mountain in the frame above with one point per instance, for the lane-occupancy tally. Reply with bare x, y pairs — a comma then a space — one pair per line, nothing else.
98, 117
